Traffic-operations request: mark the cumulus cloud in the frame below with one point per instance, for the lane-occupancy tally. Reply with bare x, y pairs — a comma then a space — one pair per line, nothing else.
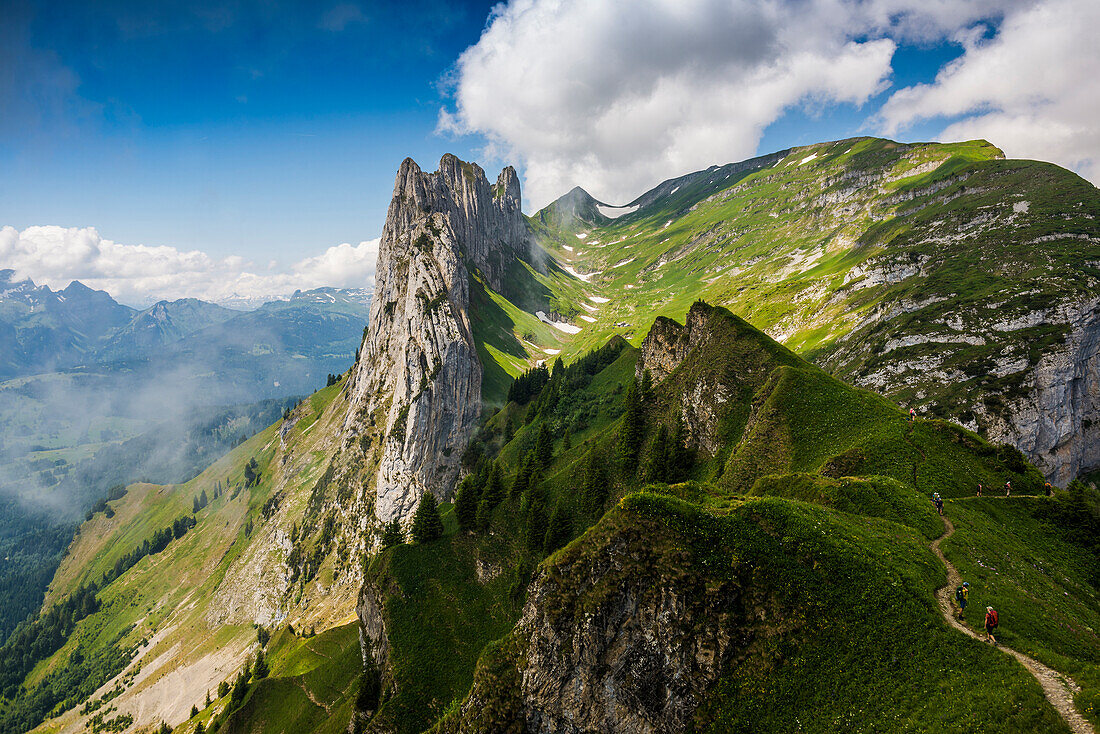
141, 274
1033, 88
616, 95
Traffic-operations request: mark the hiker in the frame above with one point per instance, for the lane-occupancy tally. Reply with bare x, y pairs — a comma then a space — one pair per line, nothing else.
1049, 489
912, 415
1008, 488
991, 623
979, 489
962, 596
937, 501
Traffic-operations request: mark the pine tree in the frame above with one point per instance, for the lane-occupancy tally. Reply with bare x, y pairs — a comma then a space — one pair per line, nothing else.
681, 458
194, 711
426, 523
544, 447
595, 487
195, 505
523, 477
260, 669
203, 501
392, 535
200, 729
536, 519
466, 500
658, 459
566, 441
631, 432
491, 496
207, 699
561, 527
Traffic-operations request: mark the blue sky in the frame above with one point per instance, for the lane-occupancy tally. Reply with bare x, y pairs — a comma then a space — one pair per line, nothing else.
255, 138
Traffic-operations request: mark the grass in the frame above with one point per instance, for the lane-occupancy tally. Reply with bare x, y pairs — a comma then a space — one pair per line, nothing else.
1039, 584
841, 627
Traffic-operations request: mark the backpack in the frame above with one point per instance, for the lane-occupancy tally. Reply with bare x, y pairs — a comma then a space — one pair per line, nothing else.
995, 621
959, 594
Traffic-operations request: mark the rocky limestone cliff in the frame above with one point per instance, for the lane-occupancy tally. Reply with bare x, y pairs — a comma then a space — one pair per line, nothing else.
415, 393
1056, 422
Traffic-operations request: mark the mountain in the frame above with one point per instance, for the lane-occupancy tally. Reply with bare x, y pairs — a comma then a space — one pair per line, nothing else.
161, 324
42, 329
941, 275
683, 525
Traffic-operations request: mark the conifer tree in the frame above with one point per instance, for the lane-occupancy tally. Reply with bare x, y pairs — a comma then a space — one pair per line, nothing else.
426, 523
595, 487
195, 505
523, 477
681, 457
466, 500
567, 441
544, 448
491, 496
392, 535
658, 459
536, 519
631, 432
203, 501
260, 669
194, 711
559, 530
200, 729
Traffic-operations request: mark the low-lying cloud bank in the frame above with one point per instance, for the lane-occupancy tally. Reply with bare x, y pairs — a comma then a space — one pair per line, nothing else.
141, 274
617, 95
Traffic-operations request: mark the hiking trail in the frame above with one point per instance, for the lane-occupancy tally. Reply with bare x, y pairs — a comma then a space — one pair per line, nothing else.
1058, 688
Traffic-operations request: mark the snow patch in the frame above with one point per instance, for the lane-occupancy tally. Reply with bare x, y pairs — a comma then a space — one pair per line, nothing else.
598, 299
623, 262
580, 276
567, 247
589, 308
582, 235
808, 158
589, 319
670, 193
559, 325
1020, 207
614, 212
552, 351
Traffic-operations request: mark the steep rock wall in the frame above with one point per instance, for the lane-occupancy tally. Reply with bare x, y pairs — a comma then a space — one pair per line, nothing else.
415, 393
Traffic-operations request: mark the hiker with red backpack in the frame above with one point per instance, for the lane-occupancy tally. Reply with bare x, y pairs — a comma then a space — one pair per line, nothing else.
979, 489
912, 415
991, 622
1008, 488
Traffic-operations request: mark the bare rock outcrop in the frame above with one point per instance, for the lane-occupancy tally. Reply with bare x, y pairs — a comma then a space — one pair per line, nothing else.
415, 392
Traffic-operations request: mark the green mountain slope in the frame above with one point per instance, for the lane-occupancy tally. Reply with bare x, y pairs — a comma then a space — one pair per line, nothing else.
940, 275
770, 597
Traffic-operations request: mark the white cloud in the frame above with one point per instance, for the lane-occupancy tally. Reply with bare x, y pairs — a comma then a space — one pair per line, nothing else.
1033, 89
616, 95
140, 274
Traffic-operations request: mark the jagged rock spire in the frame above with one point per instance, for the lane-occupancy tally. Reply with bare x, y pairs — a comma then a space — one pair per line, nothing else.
417, 383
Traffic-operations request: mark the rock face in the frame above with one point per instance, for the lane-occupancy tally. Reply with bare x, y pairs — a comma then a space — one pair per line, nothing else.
417, 383
729, 361
1057, 421
632, 651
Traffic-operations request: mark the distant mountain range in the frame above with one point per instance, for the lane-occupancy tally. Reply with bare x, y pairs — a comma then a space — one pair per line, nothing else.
42, 330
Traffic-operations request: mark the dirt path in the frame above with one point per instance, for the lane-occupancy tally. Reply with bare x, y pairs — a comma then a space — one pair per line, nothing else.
1059, 689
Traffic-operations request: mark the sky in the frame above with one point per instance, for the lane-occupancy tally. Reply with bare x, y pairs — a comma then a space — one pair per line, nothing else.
246, 149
